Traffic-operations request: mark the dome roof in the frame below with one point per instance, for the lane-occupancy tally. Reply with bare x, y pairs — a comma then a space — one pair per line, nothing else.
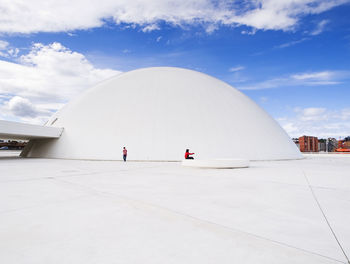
157, 113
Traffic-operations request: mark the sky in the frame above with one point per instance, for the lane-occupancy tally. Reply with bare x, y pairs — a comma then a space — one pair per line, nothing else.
292, 57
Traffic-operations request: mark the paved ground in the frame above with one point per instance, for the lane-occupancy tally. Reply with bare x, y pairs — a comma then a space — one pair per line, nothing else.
70, 211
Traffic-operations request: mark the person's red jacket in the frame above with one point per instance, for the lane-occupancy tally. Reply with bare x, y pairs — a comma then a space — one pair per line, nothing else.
187, 154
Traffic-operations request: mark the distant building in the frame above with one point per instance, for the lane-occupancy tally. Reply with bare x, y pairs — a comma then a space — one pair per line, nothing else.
332, 144
346, 144
322, 146
308, 144
343, 146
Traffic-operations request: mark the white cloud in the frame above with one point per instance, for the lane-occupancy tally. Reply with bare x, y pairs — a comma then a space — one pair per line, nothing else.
291, 129
22, 16
210, 28
26, 110
149, 28
264, 99
237, 68
22, 107
344, 114
291, 43
320, 27
315, 76
13, 52
6, 50
249, 32
3, 44
315, 121
236, 75
43, 80
312, 114
312, 111
301, 79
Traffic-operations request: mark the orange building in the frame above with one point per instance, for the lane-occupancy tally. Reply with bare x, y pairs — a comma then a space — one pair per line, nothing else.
343, 146
346, 144
308, 144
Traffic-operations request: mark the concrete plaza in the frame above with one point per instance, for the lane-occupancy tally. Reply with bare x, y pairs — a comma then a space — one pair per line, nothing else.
76, 211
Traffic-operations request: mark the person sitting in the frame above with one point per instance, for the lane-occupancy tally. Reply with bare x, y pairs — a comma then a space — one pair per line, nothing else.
187, 154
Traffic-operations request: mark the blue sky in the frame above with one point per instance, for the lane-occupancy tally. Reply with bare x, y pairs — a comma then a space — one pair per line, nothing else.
291, 57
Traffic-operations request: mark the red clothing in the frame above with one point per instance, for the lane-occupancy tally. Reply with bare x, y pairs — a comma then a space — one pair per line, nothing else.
125, 152
187, 154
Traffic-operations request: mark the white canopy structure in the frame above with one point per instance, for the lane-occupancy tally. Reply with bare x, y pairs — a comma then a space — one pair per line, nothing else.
15, 130
157, 113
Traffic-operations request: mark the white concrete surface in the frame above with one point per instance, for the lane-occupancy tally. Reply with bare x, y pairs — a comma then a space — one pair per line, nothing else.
5, 153
16, 130
75, 211
158, 113
216, 164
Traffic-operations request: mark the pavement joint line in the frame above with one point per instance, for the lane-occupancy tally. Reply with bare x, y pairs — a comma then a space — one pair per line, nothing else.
325, 217
314, 186
127, 199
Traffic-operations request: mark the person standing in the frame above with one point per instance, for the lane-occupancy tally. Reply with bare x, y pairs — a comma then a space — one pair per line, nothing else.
187, 154
125, 153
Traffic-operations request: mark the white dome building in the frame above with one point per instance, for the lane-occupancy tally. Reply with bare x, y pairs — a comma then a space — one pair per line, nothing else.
157, 113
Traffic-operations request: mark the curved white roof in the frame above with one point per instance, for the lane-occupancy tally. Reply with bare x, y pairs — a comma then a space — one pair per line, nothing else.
157, 113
